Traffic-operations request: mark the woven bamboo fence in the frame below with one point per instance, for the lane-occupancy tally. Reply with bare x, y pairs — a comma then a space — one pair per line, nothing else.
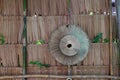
50, 15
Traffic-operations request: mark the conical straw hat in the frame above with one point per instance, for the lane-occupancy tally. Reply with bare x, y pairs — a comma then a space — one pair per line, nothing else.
69, 44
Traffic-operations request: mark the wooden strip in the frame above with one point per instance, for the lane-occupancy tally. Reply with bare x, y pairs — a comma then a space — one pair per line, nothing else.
63, 76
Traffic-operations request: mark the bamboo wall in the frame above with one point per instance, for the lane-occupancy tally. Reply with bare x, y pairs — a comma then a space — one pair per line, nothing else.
50, 15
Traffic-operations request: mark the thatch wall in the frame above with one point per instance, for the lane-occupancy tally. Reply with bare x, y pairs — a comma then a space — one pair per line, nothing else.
50, 15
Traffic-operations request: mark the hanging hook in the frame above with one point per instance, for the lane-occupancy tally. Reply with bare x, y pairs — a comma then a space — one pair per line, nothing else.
69, 73
69, 78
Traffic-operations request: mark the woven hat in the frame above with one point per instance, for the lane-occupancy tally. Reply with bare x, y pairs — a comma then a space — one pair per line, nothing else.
69, 44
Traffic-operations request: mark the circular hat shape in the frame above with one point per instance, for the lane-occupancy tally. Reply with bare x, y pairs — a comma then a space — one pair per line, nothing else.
69, 44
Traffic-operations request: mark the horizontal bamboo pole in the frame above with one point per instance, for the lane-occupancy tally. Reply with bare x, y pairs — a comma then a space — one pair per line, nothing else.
61, 76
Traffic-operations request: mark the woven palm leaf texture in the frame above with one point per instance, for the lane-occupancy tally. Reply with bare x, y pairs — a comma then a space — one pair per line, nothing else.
69, 44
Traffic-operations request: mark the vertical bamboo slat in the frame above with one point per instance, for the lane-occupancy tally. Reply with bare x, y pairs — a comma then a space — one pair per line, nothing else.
111, 39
